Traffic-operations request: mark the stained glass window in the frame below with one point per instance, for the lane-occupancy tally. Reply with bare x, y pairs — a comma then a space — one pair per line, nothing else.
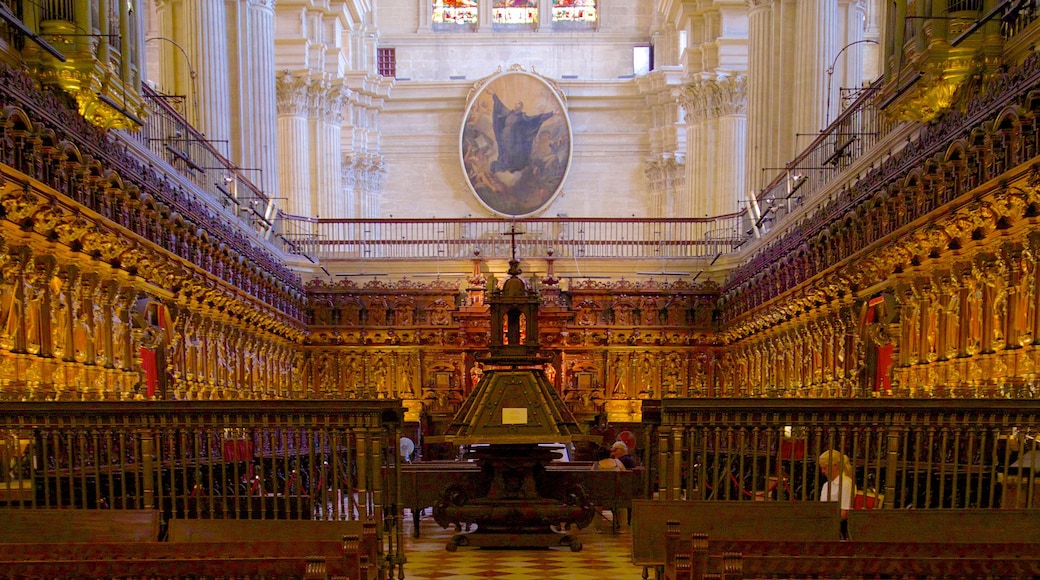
455, 11
514, 12
583, 11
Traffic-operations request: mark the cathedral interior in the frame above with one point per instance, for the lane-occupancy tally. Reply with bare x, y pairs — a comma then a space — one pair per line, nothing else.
253, 254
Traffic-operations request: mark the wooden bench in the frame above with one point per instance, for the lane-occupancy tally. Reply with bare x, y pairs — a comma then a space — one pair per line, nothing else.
808, 521
279, 559
945, 525
423, 483
694, 558
970, 543
611, 490
357, 539
18, 525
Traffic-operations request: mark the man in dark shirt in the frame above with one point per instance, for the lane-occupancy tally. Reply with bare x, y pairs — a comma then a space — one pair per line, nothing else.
619, 451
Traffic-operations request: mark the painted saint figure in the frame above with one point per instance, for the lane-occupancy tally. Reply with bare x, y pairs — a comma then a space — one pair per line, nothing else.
515, 131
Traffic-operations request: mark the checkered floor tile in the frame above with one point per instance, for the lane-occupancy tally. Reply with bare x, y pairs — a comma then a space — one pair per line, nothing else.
604, 556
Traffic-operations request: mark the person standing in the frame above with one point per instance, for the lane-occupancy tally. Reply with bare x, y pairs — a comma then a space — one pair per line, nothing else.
837, 468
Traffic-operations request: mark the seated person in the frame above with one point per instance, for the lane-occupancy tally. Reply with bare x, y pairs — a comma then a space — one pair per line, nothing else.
605, 462
619, 451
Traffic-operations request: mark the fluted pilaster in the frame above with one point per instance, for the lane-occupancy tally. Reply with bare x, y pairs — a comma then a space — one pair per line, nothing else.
716, 117
294, 159
761, 124
203, 34
258, 96
815, 37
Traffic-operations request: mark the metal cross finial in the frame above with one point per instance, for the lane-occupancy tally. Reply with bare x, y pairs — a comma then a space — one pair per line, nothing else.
512, 233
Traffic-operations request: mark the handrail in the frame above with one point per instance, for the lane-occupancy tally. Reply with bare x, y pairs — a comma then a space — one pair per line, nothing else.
572, 238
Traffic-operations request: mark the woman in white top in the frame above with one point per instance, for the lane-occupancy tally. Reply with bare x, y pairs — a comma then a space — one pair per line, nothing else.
839, 486
604, 462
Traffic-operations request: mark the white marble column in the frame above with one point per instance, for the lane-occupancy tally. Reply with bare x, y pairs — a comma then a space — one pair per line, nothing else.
761, 125
872, 31
545, 23
696, 160
328, 174
349, 186
731, 146
716, 146
202, 30
294, 160
260, 116
815, 37
484, 15
783, 102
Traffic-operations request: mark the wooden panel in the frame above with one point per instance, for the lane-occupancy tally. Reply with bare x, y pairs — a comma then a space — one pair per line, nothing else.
268, 530
958, 525
286, 559
729, 520
75, 525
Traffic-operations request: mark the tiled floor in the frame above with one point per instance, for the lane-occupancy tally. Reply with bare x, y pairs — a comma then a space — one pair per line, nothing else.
604, 556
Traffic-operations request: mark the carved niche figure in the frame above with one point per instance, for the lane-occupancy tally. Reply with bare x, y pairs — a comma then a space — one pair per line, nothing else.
588, 313
351, 313
403, 314
650, 311
377, 310
624, 313
440, 314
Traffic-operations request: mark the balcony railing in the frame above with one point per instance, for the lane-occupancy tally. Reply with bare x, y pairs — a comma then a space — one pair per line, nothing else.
301, 460
954, 453
170, 137
855, 133
361, 239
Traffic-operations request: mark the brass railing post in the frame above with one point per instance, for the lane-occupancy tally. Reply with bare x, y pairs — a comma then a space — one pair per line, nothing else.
892, 461
147, 468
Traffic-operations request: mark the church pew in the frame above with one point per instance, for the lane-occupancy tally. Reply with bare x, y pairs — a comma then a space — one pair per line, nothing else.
361, 546
945, 525
973, 543
423, 483
693, 559
808, 521
78, 525
311, 560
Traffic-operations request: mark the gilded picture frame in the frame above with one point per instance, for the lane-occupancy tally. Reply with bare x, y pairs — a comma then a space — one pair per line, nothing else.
516, 143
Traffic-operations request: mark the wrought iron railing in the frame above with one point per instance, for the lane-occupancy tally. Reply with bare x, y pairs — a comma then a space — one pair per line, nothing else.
954, 453
170, 137
854, 134
361, 239
248, 459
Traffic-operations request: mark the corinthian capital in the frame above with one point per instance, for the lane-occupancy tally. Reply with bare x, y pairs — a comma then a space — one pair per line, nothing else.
713, 98
292, 94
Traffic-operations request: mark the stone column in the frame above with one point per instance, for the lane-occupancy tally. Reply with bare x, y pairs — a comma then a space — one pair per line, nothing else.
872, 31
697, 154
256, 147
761, 125
202, 31
484, 15
328, 113
731, 146
716, 145
294, 162
848, 59
815, 38
545, 13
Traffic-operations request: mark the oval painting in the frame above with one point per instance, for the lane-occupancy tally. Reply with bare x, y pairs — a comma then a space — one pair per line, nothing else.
516, 144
